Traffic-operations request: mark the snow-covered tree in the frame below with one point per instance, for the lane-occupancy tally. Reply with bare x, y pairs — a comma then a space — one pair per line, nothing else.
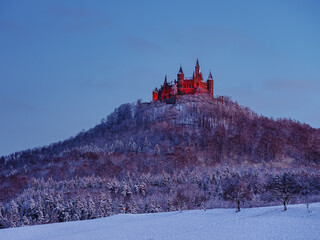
134, 208
126, 190
155, 208
146, 145
81, 208
91, 207
3, 220
157, 149
109, 207
132, 145
14, 214
25, 221
102, 206
170, 206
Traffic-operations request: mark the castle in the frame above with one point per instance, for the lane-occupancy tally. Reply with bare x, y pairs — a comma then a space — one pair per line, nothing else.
185, 86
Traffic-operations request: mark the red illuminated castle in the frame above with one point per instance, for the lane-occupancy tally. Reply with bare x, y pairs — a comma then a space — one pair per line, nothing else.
184, 86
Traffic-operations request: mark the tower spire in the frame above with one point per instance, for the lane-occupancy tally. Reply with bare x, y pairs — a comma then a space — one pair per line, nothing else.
197, 68
180, 70
210, 76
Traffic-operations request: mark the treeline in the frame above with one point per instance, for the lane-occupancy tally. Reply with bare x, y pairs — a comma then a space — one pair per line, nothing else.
93, 197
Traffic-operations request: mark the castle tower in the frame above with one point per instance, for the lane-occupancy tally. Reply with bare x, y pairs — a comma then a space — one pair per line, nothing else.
210, 85
197, 68
180, 77
165, 80
155, 95
197, 76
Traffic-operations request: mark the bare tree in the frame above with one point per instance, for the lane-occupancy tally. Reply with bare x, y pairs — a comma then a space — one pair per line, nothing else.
235, 189
283, 187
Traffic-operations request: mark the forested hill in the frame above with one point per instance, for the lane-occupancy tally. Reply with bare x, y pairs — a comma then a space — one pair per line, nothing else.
155, 137
174, 152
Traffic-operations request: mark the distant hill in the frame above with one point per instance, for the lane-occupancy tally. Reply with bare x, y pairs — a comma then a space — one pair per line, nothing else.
197, 135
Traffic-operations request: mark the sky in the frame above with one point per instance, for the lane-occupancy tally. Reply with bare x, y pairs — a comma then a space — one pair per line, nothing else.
65, 65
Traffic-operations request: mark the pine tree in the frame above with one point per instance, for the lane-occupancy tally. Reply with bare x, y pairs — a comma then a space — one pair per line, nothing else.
81, 208
157, 149
91, 207
146, 144
25, 221
155, 208
49, 206
39, 210
3, 220
134, 208
170, 207
132, 145
31, 211
109, 207
14, 214
102, 209
126, 190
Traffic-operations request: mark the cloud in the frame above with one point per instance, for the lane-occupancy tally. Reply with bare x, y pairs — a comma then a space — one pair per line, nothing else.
70, 12
216, 35
77, 19
293, 85
141, 44
12, 26
99, 84
16, 105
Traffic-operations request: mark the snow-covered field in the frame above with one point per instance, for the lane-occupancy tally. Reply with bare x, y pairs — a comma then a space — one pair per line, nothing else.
255, 223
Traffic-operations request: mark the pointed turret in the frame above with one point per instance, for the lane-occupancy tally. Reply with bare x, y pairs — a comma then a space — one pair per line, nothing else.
180, 70
180, 77
165, 79
197, 68
210, 83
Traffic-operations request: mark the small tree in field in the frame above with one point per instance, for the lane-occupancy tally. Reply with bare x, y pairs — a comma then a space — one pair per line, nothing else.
235, 189
283, 187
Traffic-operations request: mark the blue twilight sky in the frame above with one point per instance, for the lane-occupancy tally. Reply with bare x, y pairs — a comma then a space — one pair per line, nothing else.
64, 65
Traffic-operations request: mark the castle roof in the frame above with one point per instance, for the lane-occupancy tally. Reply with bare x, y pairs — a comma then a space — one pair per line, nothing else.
197, 63
180, 70
210, 76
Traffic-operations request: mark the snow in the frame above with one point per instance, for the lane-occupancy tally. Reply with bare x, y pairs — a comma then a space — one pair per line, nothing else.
253, 223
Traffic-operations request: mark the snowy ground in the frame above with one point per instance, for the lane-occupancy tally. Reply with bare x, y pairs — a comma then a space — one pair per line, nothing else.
254, 223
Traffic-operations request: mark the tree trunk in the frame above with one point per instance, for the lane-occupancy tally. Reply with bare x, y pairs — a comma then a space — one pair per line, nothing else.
238, 203
284, 206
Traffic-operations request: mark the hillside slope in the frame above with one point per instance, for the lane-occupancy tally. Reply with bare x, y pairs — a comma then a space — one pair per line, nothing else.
156, 137
153, 157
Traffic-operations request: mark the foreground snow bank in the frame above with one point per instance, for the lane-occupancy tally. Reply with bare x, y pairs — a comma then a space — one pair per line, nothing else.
254, 223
